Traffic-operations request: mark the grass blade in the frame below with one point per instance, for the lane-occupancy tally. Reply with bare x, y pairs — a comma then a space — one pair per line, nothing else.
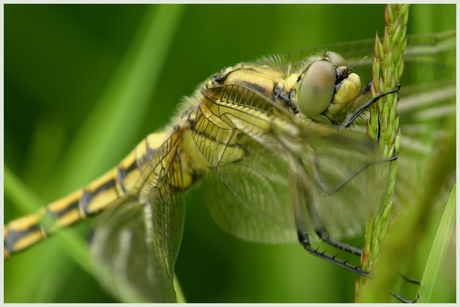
438, 250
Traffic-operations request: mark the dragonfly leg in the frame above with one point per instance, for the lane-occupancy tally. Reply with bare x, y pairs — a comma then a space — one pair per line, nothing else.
410, 280
320, 182
321, 231
405, 300
305, 242
324, 235
352, 117
299, 187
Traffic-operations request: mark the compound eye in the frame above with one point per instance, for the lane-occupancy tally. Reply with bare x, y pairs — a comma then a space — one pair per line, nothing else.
336, 59
316, 89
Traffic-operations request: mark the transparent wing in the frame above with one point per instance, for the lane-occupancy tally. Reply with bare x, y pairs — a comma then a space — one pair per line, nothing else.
135, 244
250, 197
423, 51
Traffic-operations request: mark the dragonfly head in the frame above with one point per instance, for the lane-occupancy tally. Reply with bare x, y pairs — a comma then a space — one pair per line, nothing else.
326, 87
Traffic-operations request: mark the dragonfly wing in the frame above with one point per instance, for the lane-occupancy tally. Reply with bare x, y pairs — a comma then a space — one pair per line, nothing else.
346, 160
135, 244
250, 197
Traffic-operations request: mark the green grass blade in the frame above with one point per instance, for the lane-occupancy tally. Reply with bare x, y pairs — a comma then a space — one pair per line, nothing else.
14, 189
438, 250
179, 294
117, 115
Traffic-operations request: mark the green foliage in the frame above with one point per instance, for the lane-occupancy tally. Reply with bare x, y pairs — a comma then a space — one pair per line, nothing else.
439, 250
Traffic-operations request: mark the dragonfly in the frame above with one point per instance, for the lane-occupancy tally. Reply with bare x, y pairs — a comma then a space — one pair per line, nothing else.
263, 155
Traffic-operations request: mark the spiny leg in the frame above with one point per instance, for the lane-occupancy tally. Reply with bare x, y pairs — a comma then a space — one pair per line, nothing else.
326, 191
404, 300
412, 281
299, 188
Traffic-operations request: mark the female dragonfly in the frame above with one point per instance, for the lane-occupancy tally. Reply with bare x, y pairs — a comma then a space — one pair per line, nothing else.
261, 152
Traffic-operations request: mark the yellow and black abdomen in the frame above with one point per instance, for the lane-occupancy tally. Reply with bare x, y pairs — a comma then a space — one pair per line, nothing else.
95, 197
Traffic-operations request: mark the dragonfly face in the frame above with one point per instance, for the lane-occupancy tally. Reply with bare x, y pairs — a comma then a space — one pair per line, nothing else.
236, 137
323, 88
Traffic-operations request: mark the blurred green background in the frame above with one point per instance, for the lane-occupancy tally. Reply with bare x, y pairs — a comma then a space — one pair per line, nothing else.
59, 60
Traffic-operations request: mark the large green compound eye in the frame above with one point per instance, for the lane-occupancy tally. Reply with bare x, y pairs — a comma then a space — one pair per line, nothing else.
336, 59
316, 89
